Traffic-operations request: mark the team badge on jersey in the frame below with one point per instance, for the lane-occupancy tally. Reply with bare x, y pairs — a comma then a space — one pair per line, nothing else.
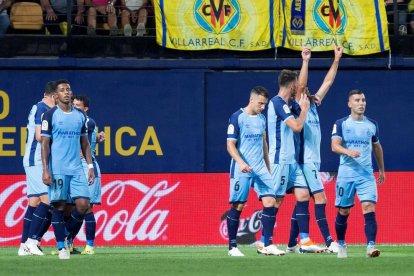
45, 125
230, 129
286, 109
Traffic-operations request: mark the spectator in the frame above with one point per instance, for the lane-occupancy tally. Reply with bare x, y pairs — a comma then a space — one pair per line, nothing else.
134, 12
4, 17
402, 14
56, 13
105, 8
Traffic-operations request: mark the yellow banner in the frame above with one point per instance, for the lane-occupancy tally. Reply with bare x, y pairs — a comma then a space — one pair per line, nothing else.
243, 25
360, 26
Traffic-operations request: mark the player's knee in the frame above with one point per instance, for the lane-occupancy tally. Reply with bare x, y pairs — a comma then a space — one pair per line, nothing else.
344, 211
368, 207
268, 201
302, 195
320, 198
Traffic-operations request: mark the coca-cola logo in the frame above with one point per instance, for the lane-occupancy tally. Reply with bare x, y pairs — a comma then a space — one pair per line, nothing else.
248, 227
129, 211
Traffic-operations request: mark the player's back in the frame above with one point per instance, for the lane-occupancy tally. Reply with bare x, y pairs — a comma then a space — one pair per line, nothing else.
32, 153
281, 140
308, 141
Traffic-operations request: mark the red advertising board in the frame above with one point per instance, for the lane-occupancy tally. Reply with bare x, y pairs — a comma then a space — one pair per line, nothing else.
189, 209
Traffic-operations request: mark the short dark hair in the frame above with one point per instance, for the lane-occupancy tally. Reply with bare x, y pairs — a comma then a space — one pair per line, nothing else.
50, 88
354, 92
286, 77
58, 82
261, 91
82, 98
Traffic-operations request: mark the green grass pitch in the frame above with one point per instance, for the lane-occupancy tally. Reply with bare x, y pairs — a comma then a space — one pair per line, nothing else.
208, 260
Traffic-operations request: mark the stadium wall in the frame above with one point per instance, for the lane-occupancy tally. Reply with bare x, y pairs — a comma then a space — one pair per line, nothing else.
165, 150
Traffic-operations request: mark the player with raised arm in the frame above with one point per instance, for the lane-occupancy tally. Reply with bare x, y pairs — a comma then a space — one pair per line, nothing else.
37, 217
309, 158
249, 167
62, 167
355, 138
286, 173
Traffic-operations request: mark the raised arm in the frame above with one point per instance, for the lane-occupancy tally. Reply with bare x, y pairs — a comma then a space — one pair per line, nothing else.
296, 124
303, 75
379, 157
330, 76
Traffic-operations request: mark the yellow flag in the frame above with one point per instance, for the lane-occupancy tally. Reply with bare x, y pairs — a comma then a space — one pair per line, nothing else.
243, 25
360, 26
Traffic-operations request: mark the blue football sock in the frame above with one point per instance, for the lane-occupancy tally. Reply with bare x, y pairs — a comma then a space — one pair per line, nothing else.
27, 222
320, 216
294, 230
74, 223
58, 227
90, 228
370, 227
37, 220
45, 225
302, 217
268, 223
233, 218
340, 227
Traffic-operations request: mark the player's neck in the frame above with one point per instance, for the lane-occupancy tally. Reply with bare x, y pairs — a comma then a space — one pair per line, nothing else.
49, 101
66, 107
284, 94
357, 117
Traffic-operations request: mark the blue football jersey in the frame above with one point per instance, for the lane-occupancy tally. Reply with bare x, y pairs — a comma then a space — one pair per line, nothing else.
356, 135
308, 141
91, 125
248, 131
65, 130
281, 140
32, 154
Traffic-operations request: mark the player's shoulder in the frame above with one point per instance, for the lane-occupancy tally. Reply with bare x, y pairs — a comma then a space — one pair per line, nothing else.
51, 111
236, 114
344, 119
371, 121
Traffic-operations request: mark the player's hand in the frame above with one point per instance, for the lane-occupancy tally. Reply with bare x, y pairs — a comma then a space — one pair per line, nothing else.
381, 178
353, 153
91, 176
316, 99
304, 102
338, 52
306, 53
46, 178
244, 168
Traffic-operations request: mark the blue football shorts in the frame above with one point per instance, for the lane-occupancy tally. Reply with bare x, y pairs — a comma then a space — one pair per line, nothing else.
35, 185
313, 178
364, 187
64, 187
286, 177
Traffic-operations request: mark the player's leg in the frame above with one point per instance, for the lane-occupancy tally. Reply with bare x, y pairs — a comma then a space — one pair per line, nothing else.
79, 192
38, 198
278, 175
239, 191
264, 187
367, 194
345, 193
90, 222
58, 194
293, 246
314, 181
23, 250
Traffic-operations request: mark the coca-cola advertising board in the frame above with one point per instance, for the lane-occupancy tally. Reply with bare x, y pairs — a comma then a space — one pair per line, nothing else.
190, 209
